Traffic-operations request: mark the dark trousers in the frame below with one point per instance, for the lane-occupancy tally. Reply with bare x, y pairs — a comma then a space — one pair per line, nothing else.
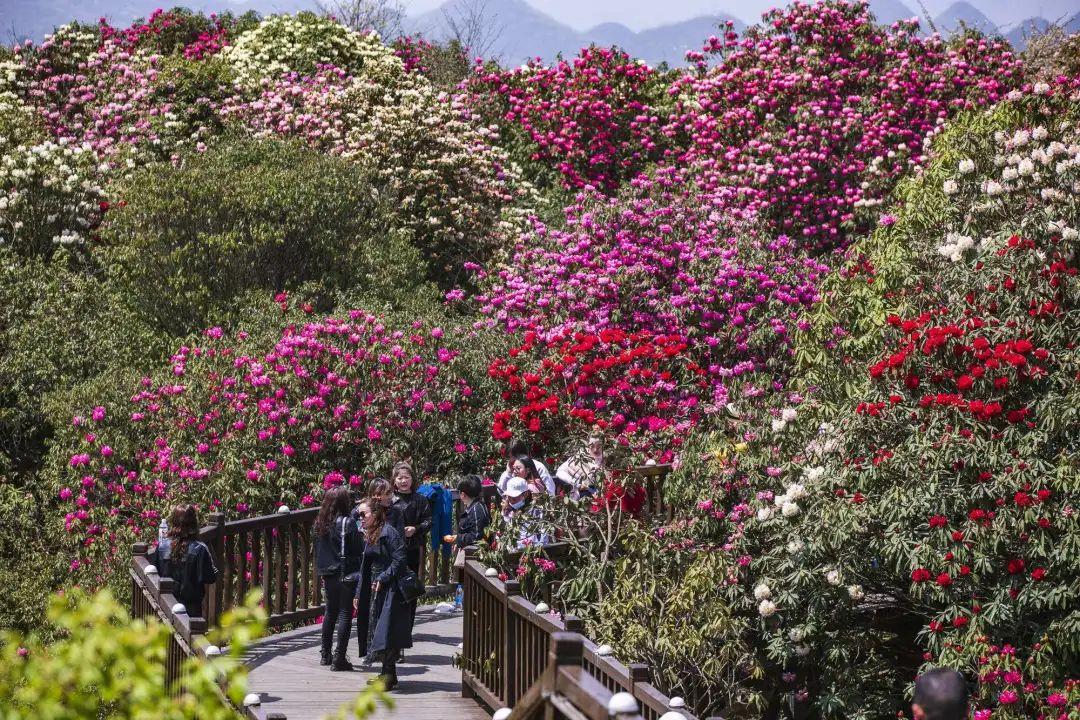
338, 616
412, 559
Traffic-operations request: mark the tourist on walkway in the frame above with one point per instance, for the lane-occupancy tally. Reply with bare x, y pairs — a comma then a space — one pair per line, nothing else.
415, 512
516, 450
940, 694
583, 471
473, 521
382, 616
519, 512
381, 491
339, 547
180, 555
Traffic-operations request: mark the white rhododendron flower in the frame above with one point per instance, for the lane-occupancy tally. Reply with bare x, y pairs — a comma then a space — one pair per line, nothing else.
764, 514
789, 414
856, 592
796, 635
832, 577
802, 650
1025, 167
762, 592
766, 608
950, 187
789, 509
967, 166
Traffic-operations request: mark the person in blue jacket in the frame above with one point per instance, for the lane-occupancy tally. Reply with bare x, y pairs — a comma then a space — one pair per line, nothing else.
383, 622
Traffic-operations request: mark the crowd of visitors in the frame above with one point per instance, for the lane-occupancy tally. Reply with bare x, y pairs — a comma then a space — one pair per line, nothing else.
368, 549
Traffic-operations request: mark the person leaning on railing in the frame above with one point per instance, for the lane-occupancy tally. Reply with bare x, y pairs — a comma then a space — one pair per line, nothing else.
339, 547
474, 519
180, 555
519, 511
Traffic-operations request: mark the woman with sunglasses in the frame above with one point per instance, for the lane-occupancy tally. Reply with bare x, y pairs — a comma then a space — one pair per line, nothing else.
383, 626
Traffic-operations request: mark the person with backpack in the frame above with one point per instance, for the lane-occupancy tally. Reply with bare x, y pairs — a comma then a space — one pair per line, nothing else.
180, 555
339, 547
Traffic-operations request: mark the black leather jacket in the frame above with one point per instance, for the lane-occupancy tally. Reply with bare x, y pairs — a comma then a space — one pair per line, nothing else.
415, 511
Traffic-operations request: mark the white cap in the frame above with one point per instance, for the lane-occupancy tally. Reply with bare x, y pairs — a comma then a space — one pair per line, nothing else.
516, 487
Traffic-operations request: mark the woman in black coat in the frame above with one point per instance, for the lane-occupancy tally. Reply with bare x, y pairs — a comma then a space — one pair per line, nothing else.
339, 547
415, 511
383, 624
180, 555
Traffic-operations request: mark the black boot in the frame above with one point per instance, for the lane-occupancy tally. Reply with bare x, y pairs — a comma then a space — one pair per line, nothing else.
341, 663
324, 657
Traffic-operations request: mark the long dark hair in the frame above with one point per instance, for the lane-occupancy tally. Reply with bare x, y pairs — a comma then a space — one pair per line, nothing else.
335, 504
183, 528
379, 486
379, 513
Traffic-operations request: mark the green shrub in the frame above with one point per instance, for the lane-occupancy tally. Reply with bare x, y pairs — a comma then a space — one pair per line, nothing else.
251, 215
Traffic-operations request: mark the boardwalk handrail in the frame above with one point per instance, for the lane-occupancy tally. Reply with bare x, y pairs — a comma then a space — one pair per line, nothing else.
505, 652
153, 596
274, 553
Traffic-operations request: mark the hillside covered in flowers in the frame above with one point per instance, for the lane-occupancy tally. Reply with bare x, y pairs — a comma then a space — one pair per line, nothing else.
828, 272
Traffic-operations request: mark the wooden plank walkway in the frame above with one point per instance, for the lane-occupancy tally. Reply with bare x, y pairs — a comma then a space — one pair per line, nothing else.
285, 671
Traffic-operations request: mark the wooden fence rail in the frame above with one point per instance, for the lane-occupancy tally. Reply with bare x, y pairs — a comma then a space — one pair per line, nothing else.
508, 647
274, 553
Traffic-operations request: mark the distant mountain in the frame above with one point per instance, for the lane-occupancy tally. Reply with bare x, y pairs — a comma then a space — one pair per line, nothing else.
1019, 35
525, 33
960, 15
36, 18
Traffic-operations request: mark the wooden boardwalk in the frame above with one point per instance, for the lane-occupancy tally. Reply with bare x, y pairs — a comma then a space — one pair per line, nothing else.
285, 671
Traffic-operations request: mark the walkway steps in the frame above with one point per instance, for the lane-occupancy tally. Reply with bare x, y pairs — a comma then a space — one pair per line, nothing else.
285, 671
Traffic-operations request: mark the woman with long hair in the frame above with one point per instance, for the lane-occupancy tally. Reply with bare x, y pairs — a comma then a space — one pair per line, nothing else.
339, 547
180, 555
525, 468
382, 616
415, 514
381, 491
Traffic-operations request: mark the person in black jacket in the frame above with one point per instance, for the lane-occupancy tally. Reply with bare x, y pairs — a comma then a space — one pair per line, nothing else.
180, 555
339, 547
415, 511
474, 519
382, 616
382, 493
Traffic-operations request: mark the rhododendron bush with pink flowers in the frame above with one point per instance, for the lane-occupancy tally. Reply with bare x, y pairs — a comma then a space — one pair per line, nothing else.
827, 270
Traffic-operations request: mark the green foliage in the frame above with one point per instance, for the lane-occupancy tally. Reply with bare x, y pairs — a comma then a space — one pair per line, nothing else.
59, 328
107, 665
251, 215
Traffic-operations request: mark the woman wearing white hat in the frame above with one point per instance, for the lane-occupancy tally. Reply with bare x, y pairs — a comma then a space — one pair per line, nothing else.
518, 509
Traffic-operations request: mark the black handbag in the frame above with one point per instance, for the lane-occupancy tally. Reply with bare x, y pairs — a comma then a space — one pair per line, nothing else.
410, 587
355, 575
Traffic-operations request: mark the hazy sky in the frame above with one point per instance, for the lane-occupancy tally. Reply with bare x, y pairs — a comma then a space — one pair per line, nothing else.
638, 14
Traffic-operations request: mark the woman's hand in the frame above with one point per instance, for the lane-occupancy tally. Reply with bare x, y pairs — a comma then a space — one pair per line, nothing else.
449, 539
410, 531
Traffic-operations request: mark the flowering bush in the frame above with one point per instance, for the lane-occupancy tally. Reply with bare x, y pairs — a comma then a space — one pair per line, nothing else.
301, 43
592, 119
247, 422
445, 180
813, 114
929, 518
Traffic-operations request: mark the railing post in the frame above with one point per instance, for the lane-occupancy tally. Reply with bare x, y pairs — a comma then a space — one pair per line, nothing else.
216, 545
574, 624
468, 647
640, 674
510, 646
567, 649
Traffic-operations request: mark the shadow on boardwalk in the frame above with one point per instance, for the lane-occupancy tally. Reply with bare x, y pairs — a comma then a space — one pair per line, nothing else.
285, 671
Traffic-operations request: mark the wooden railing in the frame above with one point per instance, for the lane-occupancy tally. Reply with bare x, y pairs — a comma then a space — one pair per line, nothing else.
508, 647
274, 553
153, 596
